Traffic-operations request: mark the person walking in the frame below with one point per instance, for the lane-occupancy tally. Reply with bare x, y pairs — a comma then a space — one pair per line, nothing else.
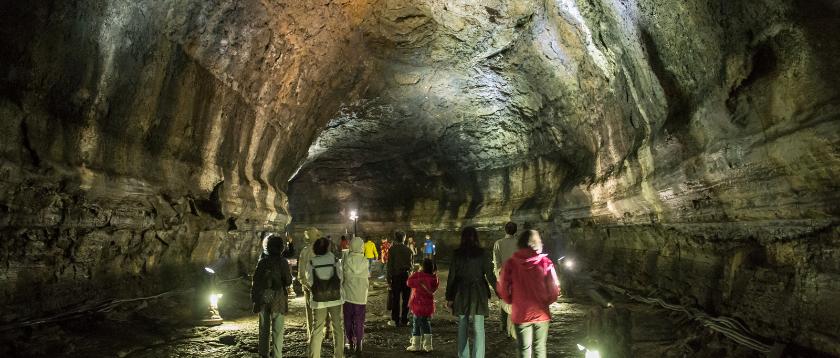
423, 285
304, 264
355, 285
371, 253
396, 270
269, 294
413, 247
324, 277
345, 245
429, 249
290, 253
529, 284
385, 248
503, 249
468, 288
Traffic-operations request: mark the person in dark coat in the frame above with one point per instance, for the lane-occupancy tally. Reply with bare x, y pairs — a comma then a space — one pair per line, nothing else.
397, 269
468, 288
269, 294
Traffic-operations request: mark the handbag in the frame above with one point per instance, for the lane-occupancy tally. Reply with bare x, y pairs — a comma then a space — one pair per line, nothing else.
275, 299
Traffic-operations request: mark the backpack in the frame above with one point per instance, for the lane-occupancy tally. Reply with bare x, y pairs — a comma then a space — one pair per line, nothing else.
326, 290
275, 299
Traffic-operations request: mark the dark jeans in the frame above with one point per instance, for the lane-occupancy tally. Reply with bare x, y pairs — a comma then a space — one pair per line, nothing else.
421, 326
354, 323
399, 290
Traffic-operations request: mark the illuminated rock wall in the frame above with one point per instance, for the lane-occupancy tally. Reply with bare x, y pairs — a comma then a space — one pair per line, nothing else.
143, 140
689, 148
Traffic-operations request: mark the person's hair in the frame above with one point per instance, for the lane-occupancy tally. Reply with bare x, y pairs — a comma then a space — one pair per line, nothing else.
470, 246
274, 244
343, 237
524, 240
399, 237
510, 228
321, 246
429, 266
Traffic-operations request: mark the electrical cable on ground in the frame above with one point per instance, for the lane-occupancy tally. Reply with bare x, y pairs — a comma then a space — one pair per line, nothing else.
94, 307
729, 327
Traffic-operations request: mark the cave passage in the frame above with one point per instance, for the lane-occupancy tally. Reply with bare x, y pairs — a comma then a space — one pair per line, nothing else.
684, 154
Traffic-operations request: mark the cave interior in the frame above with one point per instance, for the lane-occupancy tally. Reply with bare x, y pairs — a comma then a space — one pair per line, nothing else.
687, 150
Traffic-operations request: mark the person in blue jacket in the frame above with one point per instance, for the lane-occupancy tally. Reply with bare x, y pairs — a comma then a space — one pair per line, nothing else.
429, 248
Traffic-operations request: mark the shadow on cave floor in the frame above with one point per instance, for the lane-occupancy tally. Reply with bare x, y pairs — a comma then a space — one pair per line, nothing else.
157, 330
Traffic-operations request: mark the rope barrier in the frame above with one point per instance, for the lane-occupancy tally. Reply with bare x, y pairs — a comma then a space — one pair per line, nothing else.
729, 327
94, 307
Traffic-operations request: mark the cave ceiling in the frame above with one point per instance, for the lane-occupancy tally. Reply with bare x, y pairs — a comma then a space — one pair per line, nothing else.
455, 89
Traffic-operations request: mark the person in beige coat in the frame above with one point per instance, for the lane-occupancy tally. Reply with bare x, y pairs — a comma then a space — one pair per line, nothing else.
503, 249
355, 285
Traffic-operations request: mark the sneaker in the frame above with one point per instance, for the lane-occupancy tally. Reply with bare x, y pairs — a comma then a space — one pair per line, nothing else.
391, 323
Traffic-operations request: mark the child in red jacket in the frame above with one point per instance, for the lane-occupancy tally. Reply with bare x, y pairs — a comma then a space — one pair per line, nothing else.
423, 285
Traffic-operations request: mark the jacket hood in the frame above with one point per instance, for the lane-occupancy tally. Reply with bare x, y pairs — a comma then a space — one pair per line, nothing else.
357, 245
529, 259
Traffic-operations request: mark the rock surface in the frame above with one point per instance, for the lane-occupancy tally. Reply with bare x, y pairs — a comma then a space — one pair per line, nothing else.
143, 140
688, 148
684, 148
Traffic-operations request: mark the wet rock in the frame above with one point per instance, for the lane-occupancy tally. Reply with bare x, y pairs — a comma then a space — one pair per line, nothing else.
227, 340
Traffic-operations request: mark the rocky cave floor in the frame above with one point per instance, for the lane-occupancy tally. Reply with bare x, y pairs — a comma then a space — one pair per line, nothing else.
164, 328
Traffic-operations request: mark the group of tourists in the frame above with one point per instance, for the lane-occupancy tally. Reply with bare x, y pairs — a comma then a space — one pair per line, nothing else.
427, 250
335, 287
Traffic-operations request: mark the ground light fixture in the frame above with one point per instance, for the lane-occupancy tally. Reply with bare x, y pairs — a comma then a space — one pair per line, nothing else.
589, 353
355, 217
210, 316
567, 262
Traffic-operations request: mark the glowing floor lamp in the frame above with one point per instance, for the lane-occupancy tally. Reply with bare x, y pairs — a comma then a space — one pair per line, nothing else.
355, 218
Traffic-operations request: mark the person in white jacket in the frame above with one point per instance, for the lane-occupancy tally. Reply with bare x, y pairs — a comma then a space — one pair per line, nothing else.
504, 249
324, 277
355, 285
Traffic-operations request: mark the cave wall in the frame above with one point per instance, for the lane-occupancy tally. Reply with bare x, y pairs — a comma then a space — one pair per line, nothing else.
685, 148
688, 148
144, 140
732, 204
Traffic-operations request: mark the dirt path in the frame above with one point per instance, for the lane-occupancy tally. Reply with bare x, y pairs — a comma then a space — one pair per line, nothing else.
153, 333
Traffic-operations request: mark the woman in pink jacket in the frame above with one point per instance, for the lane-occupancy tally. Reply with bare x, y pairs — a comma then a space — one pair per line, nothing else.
529, 284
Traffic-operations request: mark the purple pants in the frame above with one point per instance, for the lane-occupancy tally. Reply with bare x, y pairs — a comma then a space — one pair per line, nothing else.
354, 323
